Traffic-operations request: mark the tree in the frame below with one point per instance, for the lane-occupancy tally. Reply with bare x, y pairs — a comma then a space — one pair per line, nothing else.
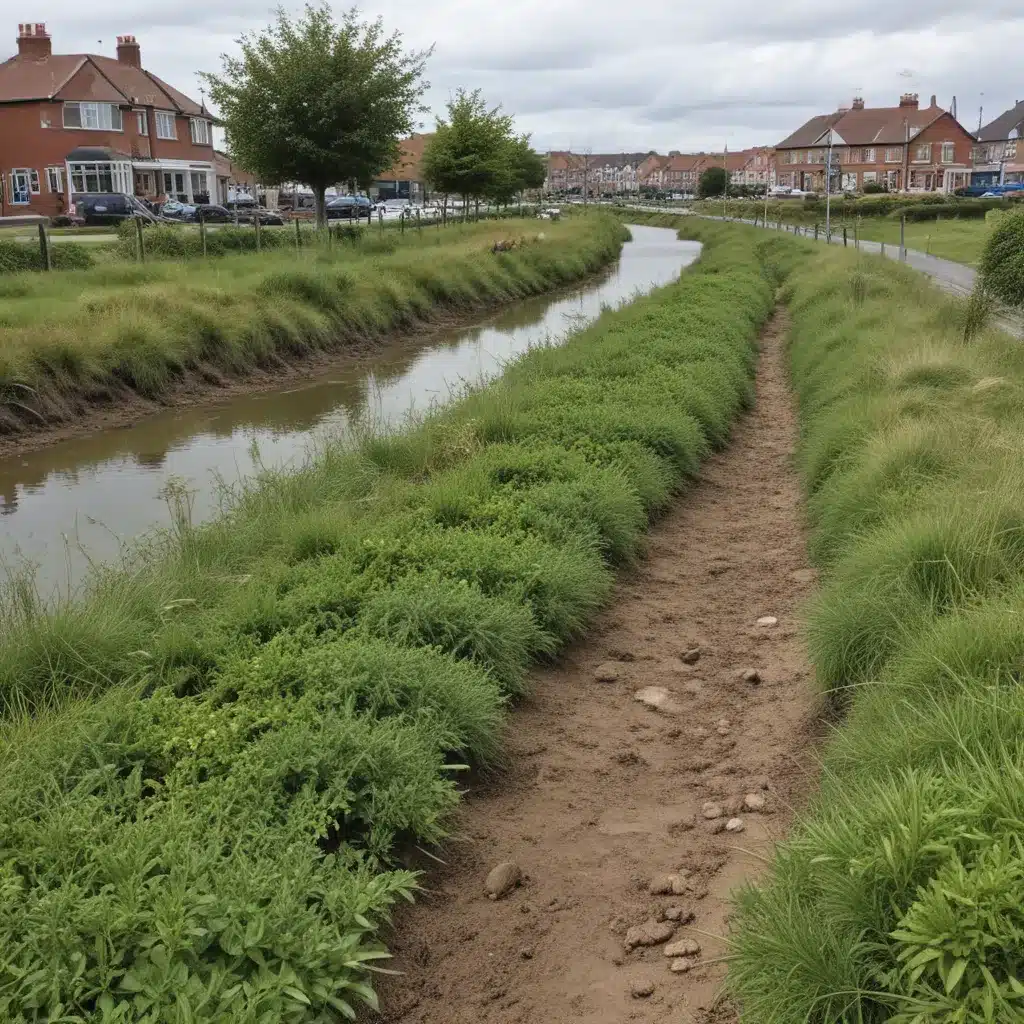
712, 182
468, 154
317, 102
518, 169
1002, 259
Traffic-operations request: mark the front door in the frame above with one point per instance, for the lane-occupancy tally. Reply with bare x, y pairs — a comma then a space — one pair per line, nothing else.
174, 186
21, 191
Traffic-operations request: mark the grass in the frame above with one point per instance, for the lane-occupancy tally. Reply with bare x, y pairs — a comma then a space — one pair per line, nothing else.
897, 896
959, 240
73, 339
213, 761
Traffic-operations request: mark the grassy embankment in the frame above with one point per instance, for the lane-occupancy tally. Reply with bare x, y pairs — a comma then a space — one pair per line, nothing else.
898, 895
74, 339
213, 760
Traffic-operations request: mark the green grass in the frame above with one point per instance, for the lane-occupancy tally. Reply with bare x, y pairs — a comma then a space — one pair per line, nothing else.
959, 240
73, 339
213, 761
897, 896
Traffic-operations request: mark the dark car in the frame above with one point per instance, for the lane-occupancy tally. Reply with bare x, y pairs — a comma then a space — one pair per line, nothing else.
101, 208
246, 215
212, 213
348, 207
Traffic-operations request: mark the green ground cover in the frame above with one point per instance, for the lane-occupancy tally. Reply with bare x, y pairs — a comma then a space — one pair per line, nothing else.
212, 762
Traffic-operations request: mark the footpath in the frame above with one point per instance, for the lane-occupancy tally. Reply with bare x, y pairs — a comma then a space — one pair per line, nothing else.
649, 774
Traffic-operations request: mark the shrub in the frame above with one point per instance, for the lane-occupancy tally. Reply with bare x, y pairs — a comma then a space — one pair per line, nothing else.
1002, 260
20, 256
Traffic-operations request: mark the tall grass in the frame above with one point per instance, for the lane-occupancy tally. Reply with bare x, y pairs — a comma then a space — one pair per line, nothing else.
898, 895
74, 339
212, 762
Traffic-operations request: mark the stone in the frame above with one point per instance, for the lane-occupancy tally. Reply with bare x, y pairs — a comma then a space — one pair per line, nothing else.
679, 885
667, 885
690, 657
650, 933
753, 802
503, 879
681, 915
606, 673
655, 697
752, 676
684, 947
526, 953
641, 988
711, 810
734, 825
768, 620
680, 965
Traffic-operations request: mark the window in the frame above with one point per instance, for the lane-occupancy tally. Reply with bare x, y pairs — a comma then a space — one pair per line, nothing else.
893, 154
93, 116
141, 122
870, 156
1010, 150
165, 127
55, 179
24, 185
948, 153
870, 176
97, 177
923, 153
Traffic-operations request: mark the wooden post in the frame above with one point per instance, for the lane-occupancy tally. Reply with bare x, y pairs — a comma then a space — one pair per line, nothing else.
883, 248
380, 221
202, 231
815, 230
256, 226
903, 228
401, 225
44, 248
298, 234
844, 236
856, 233
419, 221
141, 239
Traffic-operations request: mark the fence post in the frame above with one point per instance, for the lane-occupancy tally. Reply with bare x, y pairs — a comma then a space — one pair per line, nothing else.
298, 234
844, 236
419, 221
815, 230
202, 231
141, 239
380, 221
903, 228
401, 225
883, 248
256, 226
856, 233
44, 248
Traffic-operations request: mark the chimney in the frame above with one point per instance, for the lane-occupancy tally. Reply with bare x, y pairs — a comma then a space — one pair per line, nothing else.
33, 42
909, 99
858, 102
129, 51
932, 103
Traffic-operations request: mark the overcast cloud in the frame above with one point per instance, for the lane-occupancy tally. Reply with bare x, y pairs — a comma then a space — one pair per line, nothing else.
615, 76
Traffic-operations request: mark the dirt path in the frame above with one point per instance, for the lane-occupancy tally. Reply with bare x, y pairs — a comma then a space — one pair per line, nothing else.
606, 793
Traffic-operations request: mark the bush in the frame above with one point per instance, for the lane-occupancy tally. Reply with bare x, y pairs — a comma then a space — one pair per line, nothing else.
1002, 261
20, 256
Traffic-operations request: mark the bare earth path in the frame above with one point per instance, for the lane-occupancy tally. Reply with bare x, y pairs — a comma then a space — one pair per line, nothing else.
605, 793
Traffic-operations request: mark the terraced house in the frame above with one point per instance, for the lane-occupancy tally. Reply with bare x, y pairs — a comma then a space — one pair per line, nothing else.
999, 154
599, 173
80, 122
904, 148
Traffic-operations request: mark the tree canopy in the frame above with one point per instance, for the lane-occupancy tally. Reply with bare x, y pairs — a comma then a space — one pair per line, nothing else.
712, 182
319, 102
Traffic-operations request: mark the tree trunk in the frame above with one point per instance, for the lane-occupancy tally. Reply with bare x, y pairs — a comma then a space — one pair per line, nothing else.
320, 205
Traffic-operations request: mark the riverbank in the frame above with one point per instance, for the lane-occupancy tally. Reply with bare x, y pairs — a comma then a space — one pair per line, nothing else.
247, 729
136, 335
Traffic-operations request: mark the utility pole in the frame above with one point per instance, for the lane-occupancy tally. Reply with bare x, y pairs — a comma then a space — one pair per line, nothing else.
828, 189
767, 184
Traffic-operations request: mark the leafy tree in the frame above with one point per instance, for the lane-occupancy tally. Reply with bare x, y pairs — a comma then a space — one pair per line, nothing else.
712, 182
319, 102
1002, 260
469, 153
519, 168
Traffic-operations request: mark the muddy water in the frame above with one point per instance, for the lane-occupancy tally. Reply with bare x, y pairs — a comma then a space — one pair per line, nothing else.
82, 500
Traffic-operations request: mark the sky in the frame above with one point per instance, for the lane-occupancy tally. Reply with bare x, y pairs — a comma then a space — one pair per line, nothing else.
615, 77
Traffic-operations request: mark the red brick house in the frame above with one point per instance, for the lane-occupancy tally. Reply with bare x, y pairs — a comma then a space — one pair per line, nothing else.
80, 122
404, 179
906, 148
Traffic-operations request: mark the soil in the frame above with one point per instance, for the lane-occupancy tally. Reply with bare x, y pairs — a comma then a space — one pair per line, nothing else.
605, 804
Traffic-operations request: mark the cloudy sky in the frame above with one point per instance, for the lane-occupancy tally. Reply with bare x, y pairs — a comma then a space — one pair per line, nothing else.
620, 76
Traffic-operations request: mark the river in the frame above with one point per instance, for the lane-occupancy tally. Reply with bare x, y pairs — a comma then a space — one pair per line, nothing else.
79, 501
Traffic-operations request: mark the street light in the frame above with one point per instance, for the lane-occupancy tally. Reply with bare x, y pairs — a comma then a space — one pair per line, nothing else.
828, 189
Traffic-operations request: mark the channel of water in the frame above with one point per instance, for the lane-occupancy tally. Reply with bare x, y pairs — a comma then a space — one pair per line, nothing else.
81, 500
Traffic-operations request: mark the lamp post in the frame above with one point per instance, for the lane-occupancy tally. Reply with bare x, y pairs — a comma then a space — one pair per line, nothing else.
828, 189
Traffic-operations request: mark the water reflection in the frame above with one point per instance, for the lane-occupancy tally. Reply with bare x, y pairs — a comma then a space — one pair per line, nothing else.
101, 489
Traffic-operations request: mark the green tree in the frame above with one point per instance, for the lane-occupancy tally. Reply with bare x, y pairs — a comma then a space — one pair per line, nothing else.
519, 168
319, 102
1002, 260
469, 153
712, 182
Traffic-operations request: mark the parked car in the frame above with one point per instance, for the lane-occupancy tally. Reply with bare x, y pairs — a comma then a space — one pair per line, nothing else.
212, 213
102, 208
174, 209
246, 215
348, 207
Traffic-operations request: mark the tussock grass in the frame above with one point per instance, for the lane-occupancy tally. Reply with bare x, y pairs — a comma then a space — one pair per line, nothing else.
897, 897
78, 338
213, 760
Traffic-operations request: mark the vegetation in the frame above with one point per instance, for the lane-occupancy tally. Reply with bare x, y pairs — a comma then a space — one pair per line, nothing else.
88, 336
475, 155
1002, 263
897, 896
318, 102
712, 182
233, 738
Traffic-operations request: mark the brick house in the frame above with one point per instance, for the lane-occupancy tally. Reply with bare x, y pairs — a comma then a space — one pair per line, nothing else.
80, 122
906, 148
404, 180
753, 167
600, 173
999, 153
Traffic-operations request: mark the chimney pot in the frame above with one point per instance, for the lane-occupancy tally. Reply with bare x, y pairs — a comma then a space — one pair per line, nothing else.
858, 102
33, 42
909, 99
128, 51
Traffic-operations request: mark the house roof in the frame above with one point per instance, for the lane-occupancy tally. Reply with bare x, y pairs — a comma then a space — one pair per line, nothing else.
685, 161
1000, 128
46, 78
407, 166
865, 126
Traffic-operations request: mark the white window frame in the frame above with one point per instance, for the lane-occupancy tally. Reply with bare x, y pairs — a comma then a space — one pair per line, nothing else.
949, 153
31, 177
89, 111
200, 129
119, 173
55, 179
1010, 150
923, 153
161, 123
890, 158
869, 156
142, 123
